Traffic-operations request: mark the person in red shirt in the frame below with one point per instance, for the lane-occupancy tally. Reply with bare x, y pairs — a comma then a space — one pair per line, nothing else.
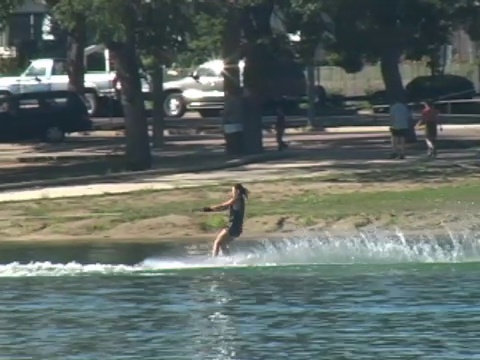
430, 120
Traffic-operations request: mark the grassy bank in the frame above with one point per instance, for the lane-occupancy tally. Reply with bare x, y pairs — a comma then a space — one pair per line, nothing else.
274, 207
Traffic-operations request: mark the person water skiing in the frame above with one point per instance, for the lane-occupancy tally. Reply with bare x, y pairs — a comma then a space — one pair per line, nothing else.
236, 207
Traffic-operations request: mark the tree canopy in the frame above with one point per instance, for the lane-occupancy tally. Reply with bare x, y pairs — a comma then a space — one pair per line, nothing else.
6, 8
190, 32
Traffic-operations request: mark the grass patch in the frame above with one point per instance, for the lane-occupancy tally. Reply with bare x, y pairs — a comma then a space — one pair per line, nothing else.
372, 203
213, 222
176, 211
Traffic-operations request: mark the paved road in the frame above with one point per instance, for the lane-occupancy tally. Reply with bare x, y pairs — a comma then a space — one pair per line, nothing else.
107, 143
292, 169
313, 156
195, 122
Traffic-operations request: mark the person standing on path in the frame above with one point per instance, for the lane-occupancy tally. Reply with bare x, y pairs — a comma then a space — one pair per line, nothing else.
280, 125
236, 207
431, 122
399, 124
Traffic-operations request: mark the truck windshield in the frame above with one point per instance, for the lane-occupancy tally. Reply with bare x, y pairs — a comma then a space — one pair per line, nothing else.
36, 70
207, 71
59, 67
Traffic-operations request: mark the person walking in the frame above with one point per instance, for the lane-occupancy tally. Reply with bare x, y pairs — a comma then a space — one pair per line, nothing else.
430, 121
399, 124
280, 125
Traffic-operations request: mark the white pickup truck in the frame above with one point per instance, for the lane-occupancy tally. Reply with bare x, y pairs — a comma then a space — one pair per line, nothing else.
51, 74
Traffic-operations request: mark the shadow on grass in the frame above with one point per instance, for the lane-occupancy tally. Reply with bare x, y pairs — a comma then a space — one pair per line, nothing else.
109, 144
360, 155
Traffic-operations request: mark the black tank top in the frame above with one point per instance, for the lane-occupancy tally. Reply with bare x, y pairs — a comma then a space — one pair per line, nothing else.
237, 213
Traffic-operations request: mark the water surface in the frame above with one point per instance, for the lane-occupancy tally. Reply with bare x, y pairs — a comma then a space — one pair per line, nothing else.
367, 296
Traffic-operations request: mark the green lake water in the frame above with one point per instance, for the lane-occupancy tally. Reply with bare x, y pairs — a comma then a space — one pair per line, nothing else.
366, 296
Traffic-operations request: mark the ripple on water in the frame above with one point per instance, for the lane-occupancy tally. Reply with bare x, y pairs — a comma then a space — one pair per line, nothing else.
360, 297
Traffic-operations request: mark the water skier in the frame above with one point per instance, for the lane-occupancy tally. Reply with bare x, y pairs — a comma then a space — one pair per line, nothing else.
236, 207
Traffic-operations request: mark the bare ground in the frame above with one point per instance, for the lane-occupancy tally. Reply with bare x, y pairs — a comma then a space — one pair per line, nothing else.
275, 208
329, 202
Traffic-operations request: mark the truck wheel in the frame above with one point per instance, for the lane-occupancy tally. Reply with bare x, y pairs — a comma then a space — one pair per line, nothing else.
54, 134
91, 101
174, 105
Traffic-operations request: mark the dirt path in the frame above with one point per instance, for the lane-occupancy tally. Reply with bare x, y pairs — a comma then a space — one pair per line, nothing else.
311, 155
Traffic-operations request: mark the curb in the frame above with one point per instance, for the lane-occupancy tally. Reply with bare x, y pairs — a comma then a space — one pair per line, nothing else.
44, 158
127, 176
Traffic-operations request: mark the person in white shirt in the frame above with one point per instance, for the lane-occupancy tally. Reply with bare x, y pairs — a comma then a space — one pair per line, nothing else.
399, 128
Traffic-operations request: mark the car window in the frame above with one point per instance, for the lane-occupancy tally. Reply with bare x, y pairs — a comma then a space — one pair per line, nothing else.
56, 100
43, 104
59, 68
60, 100
36, 70
206, 71
28, 104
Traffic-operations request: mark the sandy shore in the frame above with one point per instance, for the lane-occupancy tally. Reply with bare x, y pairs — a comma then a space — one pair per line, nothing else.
330, 189
408, 234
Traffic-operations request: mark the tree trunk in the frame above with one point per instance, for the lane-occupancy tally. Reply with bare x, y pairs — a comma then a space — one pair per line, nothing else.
21, 57
76, 42
233, 111
137, 155
158, 125
393, 83
252, 124
258, 72
392, 78
312, 111
255, 82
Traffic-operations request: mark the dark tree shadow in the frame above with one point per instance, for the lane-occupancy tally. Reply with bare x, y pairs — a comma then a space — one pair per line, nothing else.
365, 155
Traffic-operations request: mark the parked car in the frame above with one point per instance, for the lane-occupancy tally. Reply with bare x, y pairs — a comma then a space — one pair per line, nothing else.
440, 87
47, 116
50, 74
202, 90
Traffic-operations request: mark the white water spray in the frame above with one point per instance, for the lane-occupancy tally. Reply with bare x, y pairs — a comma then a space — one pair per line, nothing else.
372, 247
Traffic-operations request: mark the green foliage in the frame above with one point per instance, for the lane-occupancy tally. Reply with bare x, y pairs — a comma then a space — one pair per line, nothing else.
363, 28
66, 12
162, 26
9, 66
307, 17
205, 39
468, 12
6, 8
163, 29
214, 222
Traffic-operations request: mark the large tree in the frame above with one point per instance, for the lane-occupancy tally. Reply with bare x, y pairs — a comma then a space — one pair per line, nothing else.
379, 30
467, 14
116, 24
124, 49
71, 15
166, 25
233, 105
6, 8
205, 35
244, 31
